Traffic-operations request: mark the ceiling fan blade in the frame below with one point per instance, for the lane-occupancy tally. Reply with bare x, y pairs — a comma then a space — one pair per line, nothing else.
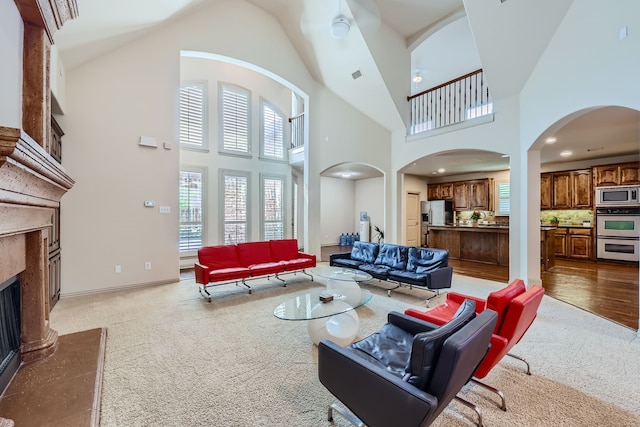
365, 13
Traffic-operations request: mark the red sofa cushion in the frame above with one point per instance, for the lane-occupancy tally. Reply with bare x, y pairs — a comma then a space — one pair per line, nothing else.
266, 268
283, 250
298, 264
252, 253
219, 257
223, 274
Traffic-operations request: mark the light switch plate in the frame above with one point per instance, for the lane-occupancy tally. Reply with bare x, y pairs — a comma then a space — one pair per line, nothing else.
165, 209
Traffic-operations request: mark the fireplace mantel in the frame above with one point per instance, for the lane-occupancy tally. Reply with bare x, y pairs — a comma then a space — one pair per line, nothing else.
31, 186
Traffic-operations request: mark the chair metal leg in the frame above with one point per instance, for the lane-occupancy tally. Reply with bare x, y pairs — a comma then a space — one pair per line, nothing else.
520, 358
346, 414
471, 406
493, 389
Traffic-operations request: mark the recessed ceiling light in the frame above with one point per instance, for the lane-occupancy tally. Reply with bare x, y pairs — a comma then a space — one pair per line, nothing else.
345, 175
441, 170
505, 155
417, 77
434, 173
566, 153
550, 140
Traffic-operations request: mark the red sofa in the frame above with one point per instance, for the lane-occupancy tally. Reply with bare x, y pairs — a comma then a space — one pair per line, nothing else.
238, 263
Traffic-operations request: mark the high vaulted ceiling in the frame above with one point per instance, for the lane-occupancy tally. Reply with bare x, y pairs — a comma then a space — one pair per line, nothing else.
432, 37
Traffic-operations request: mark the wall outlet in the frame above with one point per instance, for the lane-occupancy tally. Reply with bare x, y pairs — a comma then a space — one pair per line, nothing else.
147, 265
165, 209
118, 269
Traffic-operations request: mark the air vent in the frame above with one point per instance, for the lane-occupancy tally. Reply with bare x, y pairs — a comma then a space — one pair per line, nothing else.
356, 74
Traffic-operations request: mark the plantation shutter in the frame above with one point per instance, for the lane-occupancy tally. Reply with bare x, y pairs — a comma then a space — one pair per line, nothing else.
273, 213
272, 133
191, 226
504, 198
235, 120
235, 208
192, 113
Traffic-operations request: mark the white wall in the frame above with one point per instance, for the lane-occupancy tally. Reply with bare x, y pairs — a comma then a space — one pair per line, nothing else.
337, 204
11, 29
369, 197
213, 72
133, 91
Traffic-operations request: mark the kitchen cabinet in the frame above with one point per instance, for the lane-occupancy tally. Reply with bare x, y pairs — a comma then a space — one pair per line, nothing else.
580, 243
443, 191
480, 194
575, 243
567, 190
562, 190
461, 196
485, 244
545, 191
617, 174
582, 184
560, 242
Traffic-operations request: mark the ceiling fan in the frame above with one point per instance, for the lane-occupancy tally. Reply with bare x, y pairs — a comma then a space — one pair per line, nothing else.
315, 17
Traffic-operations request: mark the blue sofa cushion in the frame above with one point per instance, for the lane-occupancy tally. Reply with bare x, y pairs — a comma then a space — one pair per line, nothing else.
392, 256
346, 262
364, 251
377, 271
424, 260
405, 276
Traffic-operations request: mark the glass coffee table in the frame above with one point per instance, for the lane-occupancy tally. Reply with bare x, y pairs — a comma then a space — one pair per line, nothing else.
335, 320
341, 274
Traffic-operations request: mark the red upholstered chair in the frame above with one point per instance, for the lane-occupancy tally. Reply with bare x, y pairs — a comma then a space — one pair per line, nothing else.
516, 308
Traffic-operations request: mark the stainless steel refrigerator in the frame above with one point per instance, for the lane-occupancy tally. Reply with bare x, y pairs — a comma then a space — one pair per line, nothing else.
437, 212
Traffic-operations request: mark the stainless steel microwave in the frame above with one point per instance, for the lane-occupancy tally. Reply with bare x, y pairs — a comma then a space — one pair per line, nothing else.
623, 195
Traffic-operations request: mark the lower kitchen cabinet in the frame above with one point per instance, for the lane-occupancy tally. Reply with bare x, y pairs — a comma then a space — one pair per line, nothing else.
575, 243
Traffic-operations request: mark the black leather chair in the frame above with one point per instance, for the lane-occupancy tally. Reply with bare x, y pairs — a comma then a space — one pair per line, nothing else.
406, 373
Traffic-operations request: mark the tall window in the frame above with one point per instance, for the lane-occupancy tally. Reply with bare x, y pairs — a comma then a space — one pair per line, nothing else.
191, 215
272, 144
503, 199
294, 211
272, 207
235, 202
192, 114
234, 120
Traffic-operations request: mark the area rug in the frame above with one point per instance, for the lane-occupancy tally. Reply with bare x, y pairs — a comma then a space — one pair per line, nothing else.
174, 359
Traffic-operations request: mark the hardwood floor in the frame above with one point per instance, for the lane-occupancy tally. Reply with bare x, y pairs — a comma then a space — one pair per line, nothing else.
607, 289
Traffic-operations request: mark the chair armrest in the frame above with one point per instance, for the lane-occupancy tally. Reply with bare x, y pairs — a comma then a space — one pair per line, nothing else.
202, 273
440, 278
458, 298
369, 391
339, 255
497, 349
410, 324
308, 256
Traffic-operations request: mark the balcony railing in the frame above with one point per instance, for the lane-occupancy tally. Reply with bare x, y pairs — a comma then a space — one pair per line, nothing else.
297, 130
455, 101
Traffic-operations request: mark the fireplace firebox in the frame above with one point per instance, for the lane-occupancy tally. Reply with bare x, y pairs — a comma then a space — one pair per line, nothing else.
9, 330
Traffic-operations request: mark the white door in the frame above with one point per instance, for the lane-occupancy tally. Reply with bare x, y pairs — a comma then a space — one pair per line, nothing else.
413, 220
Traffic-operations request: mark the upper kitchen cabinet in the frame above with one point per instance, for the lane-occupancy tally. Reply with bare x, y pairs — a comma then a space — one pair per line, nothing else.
545, 191
480, 194
618, 174
443, 191
566, 190
461, 196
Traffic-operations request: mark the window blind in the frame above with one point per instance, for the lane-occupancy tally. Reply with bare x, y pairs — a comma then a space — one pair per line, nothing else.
235, 208
503, 192
273, 212
272, 133
235, 120
192, 107
191, 225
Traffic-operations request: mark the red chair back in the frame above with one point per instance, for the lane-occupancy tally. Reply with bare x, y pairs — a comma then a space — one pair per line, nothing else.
520, 315
499, 301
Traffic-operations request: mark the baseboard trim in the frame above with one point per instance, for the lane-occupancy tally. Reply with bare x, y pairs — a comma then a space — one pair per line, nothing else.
117, 288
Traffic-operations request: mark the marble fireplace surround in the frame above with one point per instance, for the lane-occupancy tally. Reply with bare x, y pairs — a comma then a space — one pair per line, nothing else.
31, 186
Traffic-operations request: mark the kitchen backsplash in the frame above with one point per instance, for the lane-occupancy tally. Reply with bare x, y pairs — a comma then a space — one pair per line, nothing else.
574, 217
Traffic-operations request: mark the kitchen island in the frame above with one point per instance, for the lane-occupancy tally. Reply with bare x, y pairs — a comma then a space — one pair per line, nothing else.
487, 244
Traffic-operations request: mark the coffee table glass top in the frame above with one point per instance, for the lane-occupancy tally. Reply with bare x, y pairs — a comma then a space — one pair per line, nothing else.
308, 306
341, 273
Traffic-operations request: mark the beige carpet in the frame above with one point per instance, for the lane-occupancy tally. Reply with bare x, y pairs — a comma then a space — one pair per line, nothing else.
175, 360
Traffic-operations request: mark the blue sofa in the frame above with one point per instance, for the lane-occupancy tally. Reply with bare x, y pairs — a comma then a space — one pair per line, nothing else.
405, 265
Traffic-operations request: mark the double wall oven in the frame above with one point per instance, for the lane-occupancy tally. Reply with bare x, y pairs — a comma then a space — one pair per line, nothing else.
618, 223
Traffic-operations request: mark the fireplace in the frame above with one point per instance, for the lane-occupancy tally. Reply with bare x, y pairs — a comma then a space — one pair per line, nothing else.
31, 186
9, 330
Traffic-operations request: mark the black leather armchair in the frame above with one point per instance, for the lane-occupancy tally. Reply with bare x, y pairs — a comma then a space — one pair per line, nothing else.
406, 373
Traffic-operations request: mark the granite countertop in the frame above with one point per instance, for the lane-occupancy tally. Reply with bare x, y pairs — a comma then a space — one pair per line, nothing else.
569, 225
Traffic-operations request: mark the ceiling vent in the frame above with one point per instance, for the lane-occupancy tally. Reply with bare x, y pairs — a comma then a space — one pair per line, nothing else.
356, 74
